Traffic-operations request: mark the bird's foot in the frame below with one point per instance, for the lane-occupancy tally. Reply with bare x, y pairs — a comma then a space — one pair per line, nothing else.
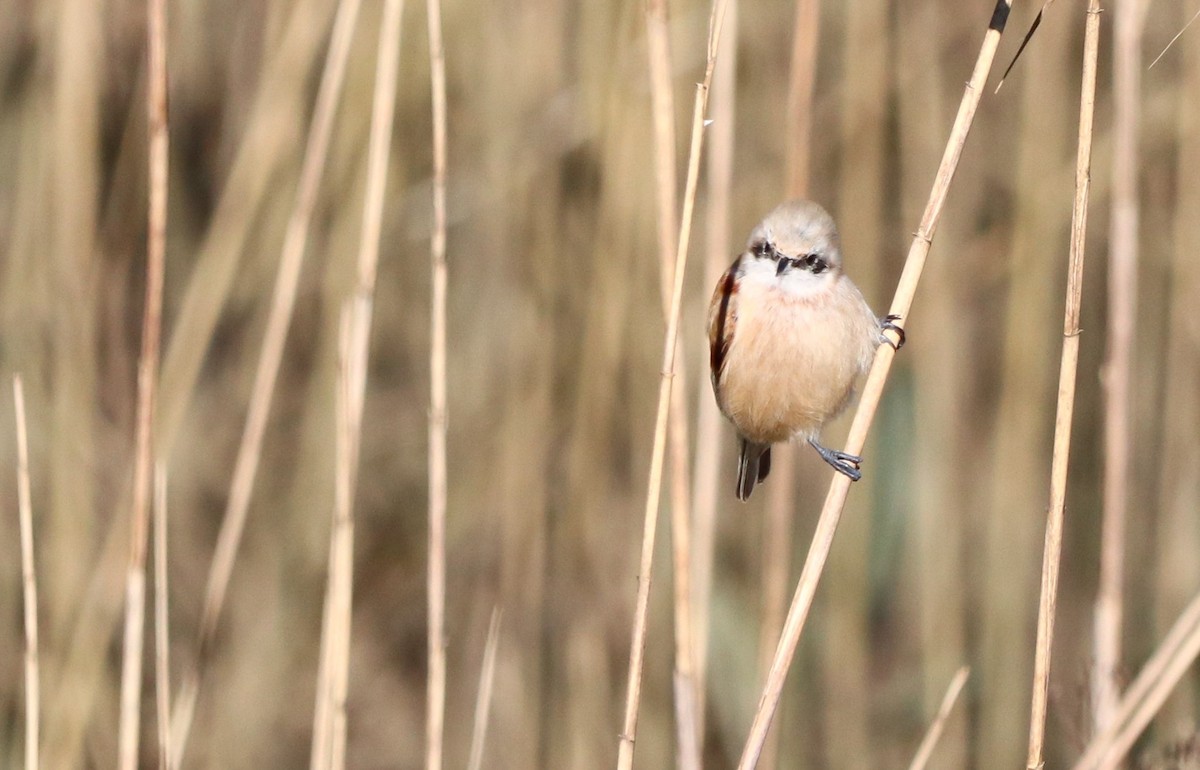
842, 462
889, 324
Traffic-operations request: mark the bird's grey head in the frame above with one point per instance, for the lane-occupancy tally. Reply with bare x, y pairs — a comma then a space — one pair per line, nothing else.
797, 243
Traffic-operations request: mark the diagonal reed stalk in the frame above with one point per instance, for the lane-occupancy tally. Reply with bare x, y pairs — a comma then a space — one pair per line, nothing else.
435, 707
654, 488
1118, 366
274, 339
925, 750
329, 729
162, 634
835, 500
1146, 695
483, 697
1066, 395
147, 387
28, 584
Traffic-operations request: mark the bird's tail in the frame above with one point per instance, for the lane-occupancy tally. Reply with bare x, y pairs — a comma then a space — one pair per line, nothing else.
754, 464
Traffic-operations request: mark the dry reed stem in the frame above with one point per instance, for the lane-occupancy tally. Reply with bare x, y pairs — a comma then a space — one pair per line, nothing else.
435, 712
781, 497
1161, 673
663, 110
925, 750
1066, 395
777, 536
835, 500
706, 476
1178, 34
147, 383
483, 696
1118, 366
267, 140
266, 374
355, 336
654, 487
162, 636
28, 584
801, 82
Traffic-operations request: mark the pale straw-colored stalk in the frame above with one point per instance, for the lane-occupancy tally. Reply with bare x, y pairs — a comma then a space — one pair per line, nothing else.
925, 750
654, 488
28, 584
162, 633
658, 47
1118, 366
330, 724
1146, 695
707, 468
483, 696
129, 727
435, 705
270, 357
872, 391
1066, 396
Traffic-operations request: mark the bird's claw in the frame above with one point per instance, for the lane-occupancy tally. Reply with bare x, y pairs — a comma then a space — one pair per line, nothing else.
889, 324
842, 462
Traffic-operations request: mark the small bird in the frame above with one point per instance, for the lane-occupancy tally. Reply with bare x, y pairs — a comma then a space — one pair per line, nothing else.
789, 333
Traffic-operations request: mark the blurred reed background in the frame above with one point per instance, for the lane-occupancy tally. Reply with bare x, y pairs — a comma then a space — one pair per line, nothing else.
555, 332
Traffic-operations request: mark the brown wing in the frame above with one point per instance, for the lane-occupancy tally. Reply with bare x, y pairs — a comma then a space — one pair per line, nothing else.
722, 317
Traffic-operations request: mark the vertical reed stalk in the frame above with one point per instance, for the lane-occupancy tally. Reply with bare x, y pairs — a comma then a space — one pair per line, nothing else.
638, 645
835, 500
1118, 365
1066, 394
329, 736
267, 372
435, 713
162, 635
781, 497
663, 110
135, 582
28, 584
707, 474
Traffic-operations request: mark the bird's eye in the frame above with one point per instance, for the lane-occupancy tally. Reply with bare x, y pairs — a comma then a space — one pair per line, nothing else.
762, 249
815, 263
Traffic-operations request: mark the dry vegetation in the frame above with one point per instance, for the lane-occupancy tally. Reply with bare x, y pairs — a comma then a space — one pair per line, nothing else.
557, 228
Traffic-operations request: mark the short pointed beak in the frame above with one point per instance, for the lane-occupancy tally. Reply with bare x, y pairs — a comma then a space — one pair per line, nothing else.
783, 265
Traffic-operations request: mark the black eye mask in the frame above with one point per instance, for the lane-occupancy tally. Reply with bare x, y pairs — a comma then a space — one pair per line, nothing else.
810, 262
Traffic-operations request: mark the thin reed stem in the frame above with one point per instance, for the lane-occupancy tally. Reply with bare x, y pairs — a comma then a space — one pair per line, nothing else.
162, 635
1146, 695
329, 739
266, 374
925, 750
436, 700
654, 487
705, 479
781, 497
28, 584
663, 110
147, 383
1066, 395
483, 697
835, 500
1118, 366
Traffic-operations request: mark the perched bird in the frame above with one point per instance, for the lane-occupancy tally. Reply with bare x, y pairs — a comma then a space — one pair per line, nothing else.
789, 333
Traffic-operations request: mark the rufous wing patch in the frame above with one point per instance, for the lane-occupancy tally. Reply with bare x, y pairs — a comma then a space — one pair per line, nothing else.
722, 318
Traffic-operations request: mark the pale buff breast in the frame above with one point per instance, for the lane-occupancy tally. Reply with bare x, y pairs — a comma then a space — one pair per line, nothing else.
792, 362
